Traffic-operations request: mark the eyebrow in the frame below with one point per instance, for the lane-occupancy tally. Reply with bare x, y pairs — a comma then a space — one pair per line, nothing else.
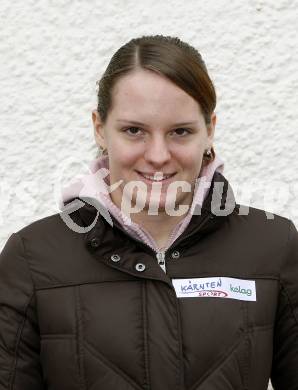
143, 124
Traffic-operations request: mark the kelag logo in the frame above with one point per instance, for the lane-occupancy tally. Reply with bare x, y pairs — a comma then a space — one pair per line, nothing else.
240, 290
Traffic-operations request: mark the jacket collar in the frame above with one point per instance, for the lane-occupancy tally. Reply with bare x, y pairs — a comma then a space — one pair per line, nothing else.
216, 208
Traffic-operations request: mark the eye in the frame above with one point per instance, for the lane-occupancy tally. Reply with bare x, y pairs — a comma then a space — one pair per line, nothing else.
134, 132
183, 132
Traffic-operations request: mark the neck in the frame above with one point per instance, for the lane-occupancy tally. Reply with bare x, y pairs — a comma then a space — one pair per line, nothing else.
159, 225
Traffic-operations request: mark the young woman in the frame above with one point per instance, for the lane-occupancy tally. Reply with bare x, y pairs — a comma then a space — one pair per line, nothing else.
152, 277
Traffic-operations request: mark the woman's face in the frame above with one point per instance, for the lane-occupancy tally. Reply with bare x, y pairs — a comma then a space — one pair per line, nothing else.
153, 126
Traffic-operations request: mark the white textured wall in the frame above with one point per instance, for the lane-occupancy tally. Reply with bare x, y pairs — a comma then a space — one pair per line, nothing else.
52, 53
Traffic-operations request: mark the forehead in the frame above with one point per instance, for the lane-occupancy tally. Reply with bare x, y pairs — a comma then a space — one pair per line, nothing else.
145, 92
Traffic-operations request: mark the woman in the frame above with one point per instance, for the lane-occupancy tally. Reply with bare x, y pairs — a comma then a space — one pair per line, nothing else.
152, 276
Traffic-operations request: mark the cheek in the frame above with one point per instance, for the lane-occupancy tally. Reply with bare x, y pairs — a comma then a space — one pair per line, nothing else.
191, 163
191, 157
123, 155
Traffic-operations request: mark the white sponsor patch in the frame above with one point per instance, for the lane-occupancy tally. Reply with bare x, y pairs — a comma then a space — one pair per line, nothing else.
219, 287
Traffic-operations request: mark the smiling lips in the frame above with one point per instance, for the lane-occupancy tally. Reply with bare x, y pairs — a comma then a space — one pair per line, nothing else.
157, 177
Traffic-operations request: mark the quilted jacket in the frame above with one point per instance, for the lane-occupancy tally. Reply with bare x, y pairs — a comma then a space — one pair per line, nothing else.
95, 311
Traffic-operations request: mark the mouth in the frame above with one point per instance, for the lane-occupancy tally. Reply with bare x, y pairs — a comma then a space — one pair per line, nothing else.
156, 178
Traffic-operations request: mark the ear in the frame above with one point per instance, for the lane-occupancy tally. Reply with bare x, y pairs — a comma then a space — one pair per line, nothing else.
98, 129
211, 128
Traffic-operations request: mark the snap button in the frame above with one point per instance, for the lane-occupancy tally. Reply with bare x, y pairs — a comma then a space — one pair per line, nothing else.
94, 242
140, 267
175, 254
115, 258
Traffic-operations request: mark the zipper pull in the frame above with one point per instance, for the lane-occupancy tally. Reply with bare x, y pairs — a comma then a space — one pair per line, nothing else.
161, 260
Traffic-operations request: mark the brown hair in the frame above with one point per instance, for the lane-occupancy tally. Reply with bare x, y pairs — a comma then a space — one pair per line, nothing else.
166, 55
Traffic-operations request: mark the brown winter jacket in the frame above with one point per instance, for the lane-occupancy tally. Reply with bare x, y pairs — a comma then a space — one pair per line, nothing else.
95, 311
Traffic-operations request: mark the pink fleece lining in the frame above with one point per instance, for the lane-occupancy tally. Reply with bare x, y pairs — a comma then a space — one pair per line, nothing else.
95, 185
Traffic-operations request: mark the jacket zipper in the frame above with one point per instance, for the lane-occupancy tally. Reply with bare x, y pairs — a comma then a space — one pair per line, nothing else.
161, 260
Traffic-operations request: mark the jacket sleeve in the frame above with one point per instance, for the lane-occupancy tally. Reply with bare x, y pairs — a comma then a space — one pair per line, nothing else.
20, 367
284, 374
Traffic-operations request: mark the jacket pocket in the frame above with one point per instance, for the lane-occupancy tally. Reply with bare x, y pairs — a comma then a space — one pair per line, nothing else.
213, 328
92, 333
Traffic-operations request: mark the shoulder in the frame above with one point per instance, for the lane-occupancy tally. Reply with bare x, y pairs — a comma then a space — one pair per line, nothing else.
67, 223
52, 225
52, 233
262, 217
261, 227
50, 247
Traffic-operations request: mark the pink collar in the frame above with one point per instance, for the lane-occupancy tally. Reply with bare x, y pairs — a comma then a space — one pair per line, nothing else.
96, 185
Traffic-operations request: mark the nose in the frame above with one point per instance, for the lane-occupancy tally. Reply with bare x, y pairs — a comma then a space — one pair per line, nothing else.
157, 151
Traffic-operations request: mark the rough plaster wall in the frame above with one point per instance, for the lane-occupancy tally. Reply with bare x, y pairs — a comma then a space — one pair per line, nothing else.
52, 53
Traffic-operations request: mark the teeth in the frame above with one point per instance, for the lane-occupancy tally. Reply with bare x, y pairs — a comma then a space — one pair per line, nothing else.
156, 177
